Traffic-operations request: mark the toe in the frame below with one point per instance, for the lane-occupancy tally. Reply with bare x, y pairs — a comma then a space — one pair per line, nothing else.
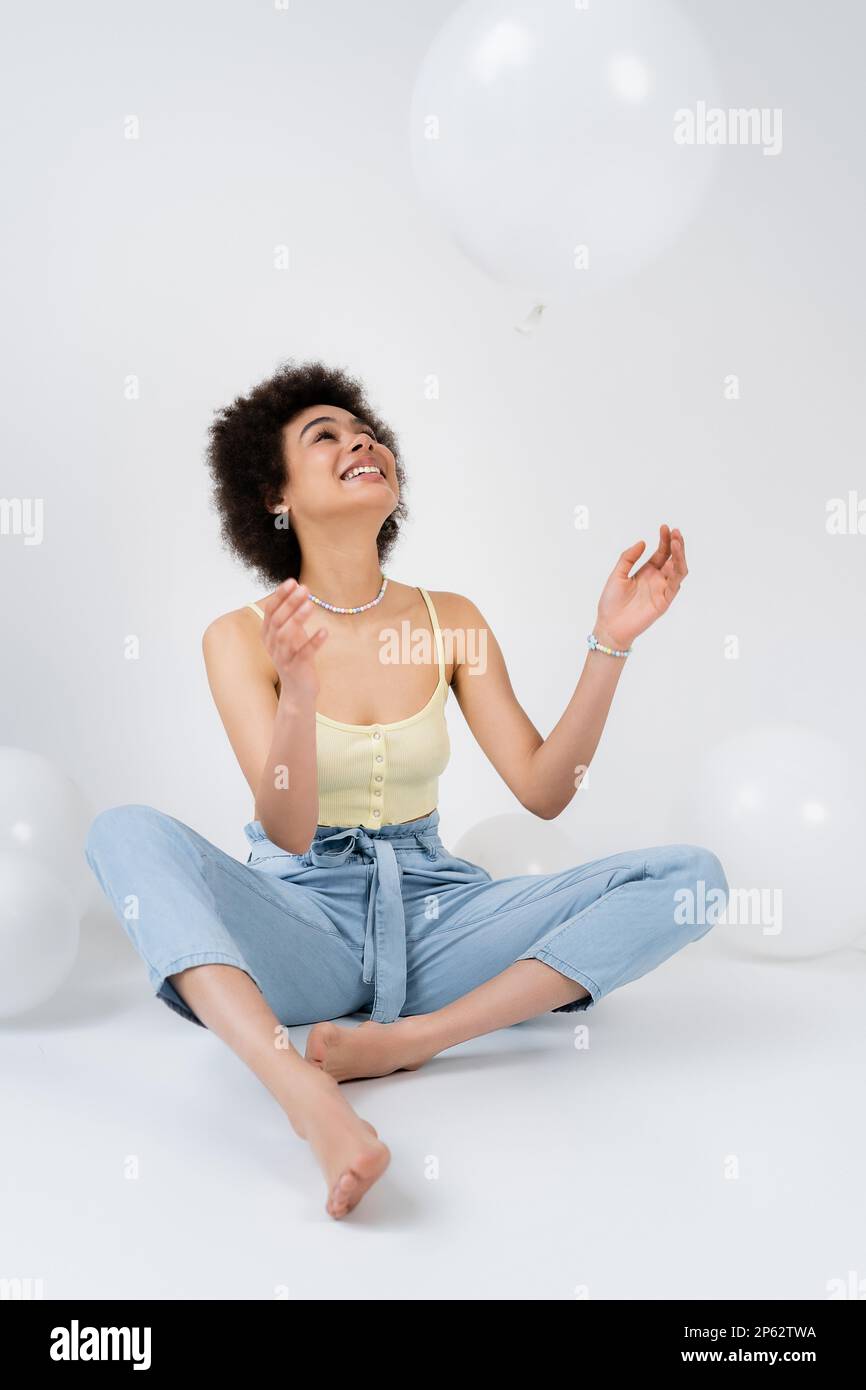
352, 1184
345, 1194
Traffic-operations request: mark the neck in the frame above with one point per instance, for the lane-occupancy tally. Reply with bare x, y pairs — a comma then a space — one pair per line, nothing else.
346, 575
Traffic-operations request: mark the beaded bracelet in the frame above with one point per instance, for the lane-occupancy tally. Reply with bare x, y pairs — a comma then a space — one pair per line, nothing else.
596, 646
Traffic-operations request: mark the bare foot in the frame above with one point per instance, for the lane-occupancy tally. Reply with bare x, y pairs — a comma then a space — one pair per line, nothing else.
348, 1150
369, 1049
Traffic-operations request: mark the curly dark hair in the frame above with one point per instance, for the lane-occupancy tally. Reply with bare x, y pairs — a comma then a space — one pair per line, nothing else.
248, 467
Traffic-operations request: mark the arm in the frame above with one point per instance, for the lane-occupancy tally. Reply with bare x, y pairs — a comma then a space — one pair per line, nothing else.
273, 737
544, 774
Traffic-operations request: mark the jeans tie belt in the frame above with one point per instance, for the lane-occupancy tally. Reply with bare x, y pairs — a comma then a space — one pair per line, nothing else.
385, 931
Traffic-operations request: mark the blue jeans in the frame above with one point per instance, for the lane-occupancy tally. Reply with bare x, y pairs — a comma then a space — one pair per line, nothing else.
388, 922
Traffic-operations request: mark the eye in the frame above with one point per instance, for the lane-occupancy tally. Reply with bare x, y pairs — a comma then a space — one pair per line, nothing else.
329, 434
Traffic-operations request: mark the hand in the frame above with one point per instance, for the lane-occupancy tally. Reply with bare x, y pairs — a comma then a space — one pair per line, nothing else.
286, 640
629, 604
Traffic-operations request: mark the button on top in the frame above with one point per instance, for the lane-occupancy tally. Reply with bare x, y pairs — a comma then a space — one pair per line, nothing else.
376, 734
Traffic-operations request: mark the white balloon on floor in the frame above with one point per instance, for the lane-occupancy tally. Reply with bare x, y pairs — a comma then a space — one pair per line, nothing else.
38, 932
517, 843
42, 812
543, 135
784, 807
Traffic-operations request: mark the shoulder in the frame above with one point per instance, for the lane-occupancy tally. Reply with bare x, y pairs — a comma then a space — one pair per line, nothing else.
464, 627
232, 628
455, 610
452, 609
234, 652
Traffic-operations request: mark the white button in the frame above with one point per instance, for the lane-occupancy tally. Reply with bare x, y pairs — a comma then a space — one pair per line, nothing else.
377, 812
379, 758
377, 792
376, 734
378, 777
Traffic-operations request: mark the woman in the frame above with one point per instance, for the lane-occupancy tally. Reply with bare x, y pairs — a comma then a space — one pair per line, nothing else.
349, 902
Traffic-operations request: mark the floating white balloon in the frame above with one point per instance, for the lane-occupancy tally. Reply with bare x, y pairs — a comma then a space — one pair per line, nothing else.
38, 932
517, 843
543, 135
42, 812
784, 807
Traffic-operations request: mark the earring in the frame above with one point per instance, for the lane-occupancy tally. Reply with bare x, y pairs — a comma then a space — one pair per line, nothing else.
282, 522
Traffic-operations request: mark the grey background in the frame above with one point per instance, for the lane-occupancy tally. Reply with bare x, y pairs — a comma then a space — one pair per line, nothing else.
560, 1170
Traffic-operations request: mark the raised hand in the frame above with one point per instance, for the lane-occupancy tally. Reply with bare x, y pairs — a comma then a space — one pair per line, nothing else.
286, 642
629, 604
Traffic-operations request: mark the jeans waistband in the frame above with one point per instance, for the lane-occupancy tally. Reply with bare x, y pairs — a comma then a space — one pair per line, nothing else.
384, 960
425, 825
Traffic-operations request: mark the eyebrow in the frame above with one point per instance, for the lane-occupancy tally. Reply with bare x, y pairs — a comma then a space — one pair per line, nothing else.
319, 419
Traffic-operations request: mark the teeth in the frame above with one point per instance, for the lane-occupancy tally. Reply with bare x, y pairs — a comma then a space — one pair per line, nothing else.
354, 472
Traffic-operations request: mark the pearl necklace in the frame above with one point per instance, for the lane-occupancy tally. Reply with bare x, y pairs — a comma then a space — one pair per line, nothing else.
362, 608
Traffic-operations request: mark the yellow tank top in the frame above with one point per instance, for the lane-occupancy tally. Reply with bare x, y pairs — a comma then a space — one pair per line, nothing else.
383, 774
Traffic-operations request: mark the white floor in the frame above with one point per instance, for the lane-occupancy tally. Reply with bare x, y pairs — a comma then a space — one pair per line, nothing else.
709, 1143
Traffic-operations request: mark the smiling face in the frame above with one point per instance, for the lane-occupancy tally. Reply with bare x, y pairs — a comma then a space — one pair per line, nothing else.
336, 465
